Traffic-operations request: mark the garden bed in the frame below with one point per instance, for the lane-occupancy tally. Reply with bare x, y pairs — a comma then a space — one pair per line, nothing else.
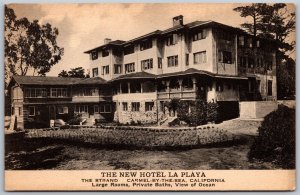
140, 137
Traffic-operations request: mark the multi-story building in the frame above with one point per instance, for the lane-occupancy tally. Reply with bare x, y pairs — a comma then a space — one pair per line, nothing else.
132, 80
199, 60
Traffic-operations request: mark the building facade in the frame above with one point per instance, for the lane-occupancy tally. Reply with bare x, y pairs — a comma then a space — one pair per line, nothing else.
133, 80
199, 60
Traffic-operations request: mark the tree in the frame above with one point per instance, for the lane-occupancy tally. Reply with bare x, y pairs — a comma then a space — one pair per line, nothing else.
276, 22
63, 73
78, 72
29, 46
254, 11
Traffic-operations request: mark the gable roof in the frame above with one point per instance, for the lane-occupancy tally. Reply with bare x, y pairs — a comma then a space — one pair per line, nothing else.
115, 43
43, 80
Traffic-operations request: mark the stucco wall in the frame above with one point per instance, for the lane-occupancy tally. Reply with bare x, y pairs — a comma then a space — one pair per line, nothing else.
199, 46
257, 109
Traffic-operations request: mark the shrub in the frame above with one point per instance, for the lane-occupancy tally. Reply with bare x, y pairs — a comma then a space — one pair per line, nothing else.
212, 112
197, 112
75, 121
276, 140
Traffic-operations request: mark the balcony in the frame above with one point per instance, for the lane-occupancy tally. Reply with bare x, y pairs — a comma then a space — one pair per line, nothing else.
190, 94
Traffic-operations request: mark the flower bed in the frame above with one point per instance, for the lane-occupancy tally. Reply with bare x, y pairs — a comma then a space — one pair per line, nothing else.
137, 136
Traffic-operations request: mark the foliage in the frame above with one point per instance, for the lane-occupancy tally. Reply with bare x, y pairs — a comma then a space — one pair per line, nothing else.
197, 112
212, 112
274, 21
78, 72
75, 121
29, 45
276, 139
286, 80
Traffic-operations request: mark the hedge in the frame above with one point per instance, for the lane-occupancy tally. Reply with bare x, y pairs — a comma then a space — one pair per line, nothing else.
276, 140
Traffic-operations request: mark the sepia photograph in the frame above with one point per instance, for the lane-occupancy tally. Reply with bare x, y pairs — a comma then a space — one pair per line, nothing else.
150, 86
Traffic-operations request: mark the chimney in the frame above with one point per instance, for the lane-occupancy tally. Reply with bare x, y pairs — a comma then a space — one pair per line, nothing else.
107, 40
178, 20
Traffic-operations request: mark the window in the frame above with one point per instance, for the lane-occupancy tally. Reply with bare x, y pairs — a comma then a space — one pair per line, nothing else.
88, 91
147, 64
172, 40
243, 61
105, 69
105, 108
58, 92
95, 72
31, 110
62, 110
159, 62
96, 108
146, 44
128, 49
129, 68
187, 60
220, 87
241, 40
172, 61
135, 106
35, 92
125, 106
225, 57
81, 109
200, 57
199, 35
94, 55
270, 88
105, 53
149, 106
117, 68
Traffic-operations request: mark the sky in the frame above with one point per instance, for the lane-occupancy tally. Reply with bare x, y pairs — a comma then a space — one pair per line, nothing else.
85, 26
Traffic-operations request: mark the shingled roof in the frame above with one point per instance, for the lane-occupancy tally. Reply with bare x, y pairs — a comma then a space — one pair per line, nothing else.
116, 43
91, 81
40, 80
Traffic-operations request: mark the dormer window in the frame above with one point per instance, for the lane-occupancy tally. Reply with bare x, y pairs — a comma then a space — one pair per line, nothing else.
199, 35
94, 55
172, 39
105, 53
146, 44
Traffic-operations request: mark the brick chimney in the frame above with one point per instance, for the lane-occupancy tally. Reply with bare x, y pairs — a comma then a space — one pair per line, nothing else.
107, 40
178, 20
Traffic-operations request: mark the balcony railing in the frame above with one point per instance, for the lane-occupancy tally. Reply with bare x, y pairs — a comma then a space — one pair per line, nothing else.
191, 94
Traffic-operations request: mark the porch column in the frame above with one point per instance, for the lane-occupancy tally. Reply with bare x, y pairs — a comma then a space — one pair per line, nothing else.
141, 87
168, 88
195, 86
194, 83
128, 84
180, 87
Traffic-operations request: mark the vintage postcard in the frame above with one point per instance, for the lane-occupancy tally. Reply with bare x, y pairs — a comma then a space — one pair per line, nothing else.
150, 97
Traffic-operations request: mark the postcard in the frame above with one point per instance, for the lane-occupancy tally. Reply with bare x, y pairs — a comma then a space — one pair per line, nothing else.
150, 97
